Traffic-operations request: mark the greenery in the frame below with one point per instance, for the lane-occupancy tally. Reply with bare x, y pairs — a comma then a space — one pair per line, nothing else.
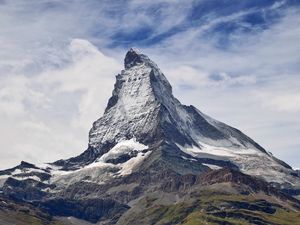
215, 208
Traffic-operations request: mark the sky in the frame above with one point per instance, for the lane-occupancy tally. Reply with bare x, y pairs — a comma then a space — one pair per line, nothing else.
237, 61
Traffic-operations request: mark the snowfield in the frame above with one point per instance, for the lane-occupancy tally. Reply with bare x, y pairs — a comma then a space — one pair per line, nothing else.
250, 161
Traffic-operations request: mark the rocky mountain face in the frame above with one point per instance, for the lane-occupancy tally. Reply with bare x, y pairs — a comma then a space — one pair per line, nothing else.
149, 152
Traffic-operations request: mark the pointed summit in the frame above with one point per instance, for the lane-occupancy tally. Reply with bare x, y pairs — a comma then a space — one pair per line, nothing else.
134, 57
134, 50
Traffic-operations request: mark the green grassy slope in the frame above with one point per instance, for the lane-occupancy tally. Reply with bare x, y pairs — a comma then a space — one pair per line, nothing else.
208, 207
22, 218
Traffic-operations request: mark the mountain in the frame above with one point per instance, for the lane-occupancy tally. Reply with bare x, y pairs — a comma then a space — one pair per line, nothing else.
152, 160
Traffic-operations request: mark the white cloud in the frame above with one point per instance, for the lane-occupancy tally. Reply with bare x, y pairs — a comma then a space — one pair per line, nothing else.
47, 117
287, 102
283, 96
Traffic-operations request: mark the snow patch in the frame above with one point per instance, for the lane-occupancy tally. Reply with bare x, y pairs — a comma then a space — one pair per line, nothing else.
213, 167
36, 178
190, 159
132, 163
3, 178
215, 150
123, 147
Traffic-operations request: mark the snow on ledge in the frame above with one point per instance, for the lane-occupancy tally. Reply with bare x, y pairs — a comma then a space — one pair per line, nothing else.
123, 147
213, 167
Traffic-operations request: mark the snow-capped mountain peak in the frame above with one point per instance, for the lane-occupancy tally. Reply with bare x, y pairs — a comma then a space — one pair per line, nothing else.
144, 127
142, 106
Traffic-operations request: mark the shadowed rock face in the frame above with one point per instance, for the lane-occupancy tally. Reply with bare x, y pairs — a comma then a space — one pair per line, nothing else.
91, 210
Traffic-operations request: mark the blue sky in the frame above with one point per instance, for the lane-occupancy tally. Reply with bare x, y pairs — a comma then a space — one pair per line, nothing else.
237, 61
